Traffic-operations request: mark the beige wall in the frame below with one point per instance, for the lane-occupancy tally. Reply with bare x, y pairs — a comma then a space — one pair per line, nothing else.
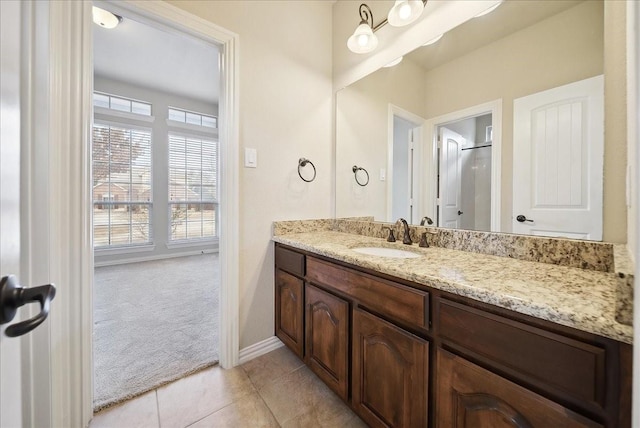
362, 122
615, 122
285, 113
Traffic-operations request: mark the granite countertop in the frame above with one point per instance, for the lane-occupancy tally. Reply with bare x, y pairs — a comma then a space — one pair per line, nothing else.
578, 298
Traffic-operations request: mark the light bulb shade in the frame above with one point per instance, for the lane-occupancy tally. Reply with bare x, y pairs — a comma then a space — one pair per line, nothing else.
404, 12
105, 18
362, 40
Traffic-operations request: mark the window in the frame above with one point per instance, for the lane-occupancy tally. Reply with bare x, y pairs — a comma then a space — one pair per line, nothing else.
122, 198
193, 191
126, 105
192, 118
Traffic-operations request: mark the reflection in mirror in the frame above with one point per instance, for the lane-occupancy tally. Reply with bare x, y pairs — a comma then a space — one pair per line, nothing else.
389, 121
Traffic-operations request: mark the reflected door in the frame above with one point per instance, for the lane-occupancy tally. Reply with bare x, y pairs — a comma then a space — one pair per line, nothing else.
558, 160
450, 179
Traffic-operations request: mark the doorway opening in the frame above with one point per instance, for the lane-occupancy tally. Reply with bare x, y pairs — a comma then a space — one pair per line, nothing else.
464, 173
404, 187
464, 167
156, 206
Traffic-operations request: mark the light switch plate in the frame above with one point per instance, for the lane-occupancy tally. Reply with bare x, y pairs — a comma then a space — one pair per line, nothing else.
383, 174
250, 158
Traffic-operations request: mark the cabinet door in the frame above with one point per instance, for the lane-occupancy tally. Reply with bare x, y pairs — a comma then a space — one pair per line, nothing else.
327, 335
390, 369
290, 311
471, 397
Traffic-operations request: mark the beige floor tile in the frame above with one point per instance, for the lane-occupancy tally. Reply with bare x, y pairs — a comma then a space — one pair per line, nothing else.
140, 412
249, 411
301, 393
346, 419
190, 399
272, 366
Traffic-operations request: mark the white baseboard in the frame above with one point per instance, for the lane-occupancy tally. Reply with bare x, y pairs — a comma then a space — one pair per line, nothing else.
258, 349
127, 260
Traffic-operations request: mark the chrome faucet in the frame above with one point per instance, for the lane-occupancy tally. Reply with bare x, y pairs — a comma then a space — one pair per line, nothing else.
406, 239
427, 219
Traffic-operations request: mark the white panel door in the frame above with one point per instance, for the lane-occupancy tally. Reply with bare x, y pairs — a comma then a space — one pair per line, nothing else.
558, 161
10, 348
450, 194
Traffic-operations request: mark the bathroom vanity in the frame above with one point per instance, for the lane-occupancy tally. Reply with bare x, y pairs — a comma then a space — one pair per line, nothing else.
453, 339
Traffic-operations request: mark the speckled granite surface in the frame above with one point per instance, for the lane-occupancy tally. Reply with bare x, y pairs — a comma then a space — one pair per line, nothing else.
579, 298
564, 252
624, 276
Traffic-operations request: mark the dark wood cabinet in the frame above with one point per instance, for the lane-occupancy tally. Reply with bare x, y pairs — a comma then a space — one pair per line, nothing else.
395, 350
290, 311
469, 396
327, 338
390, 377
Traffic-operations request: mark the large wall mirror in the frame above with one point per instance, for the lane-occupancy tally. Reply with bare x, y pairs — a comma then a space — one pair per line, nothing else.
496, 126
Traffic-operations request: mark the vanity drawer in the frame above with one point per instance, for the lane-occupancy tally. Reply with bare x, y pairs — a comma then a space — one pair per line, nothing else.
384, 297
290, 261
563, 363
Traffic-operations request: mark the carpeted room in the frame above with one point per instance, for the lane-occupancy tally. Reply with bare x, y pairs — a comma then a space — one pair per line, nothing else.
154, 322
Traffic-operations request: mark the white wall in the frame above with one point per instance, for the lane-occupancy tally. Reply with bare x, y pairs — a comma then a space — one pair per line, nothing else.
160, 101
285, 113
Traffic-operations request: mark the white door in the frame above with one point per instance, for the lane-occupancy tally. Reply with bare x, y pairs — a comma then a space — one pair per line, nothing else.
10, 348
558, 161
450, 192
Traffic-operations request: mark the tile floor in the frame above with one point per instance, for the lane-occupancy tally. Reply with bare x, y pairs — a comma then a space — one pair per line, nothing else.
274, 390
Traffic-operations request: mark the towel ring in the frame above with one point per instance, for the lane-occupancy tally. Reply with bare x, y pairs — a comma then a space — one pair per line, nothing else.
302, 162
355, 170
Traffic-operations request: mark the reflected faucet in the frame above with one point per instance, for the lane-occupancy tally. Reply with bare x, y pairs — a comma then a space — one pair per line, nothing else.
427, 219
406, 239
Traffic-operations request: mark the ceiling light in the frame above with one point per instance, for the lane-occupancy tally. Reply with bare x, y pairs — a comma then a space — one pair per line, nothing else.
434, 40
394, 62
488, 11
404, 12
363, 40
105, 18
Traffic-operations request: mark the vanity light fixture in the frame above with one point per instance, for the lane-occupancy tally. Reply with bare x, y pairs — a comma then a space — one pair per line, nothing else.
404, 12
105, 19
434, 40
363, 40
394, 62
488, 11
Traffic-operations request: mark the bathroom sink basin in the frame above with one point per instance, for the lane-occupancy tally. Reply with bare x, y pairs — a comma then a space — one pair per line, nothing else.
386, 252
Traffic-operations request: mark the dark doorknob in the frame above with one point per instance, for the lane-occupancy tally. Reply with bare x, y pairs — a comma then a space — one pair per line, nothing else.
12, 296
460, 212
522, 219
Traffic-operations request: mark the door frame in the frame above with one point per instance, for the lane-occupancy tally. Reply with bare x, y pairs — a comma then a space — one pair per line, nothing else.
70, 216
430, 158
420, 122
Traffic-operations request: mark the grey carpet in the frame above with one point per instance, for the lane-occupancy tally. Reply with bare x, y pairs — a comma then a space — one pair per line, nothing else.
154, 322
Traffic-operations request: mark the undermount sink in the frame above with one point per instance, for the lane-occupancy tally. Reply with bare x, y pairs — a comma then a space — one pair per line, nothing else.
386, 252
